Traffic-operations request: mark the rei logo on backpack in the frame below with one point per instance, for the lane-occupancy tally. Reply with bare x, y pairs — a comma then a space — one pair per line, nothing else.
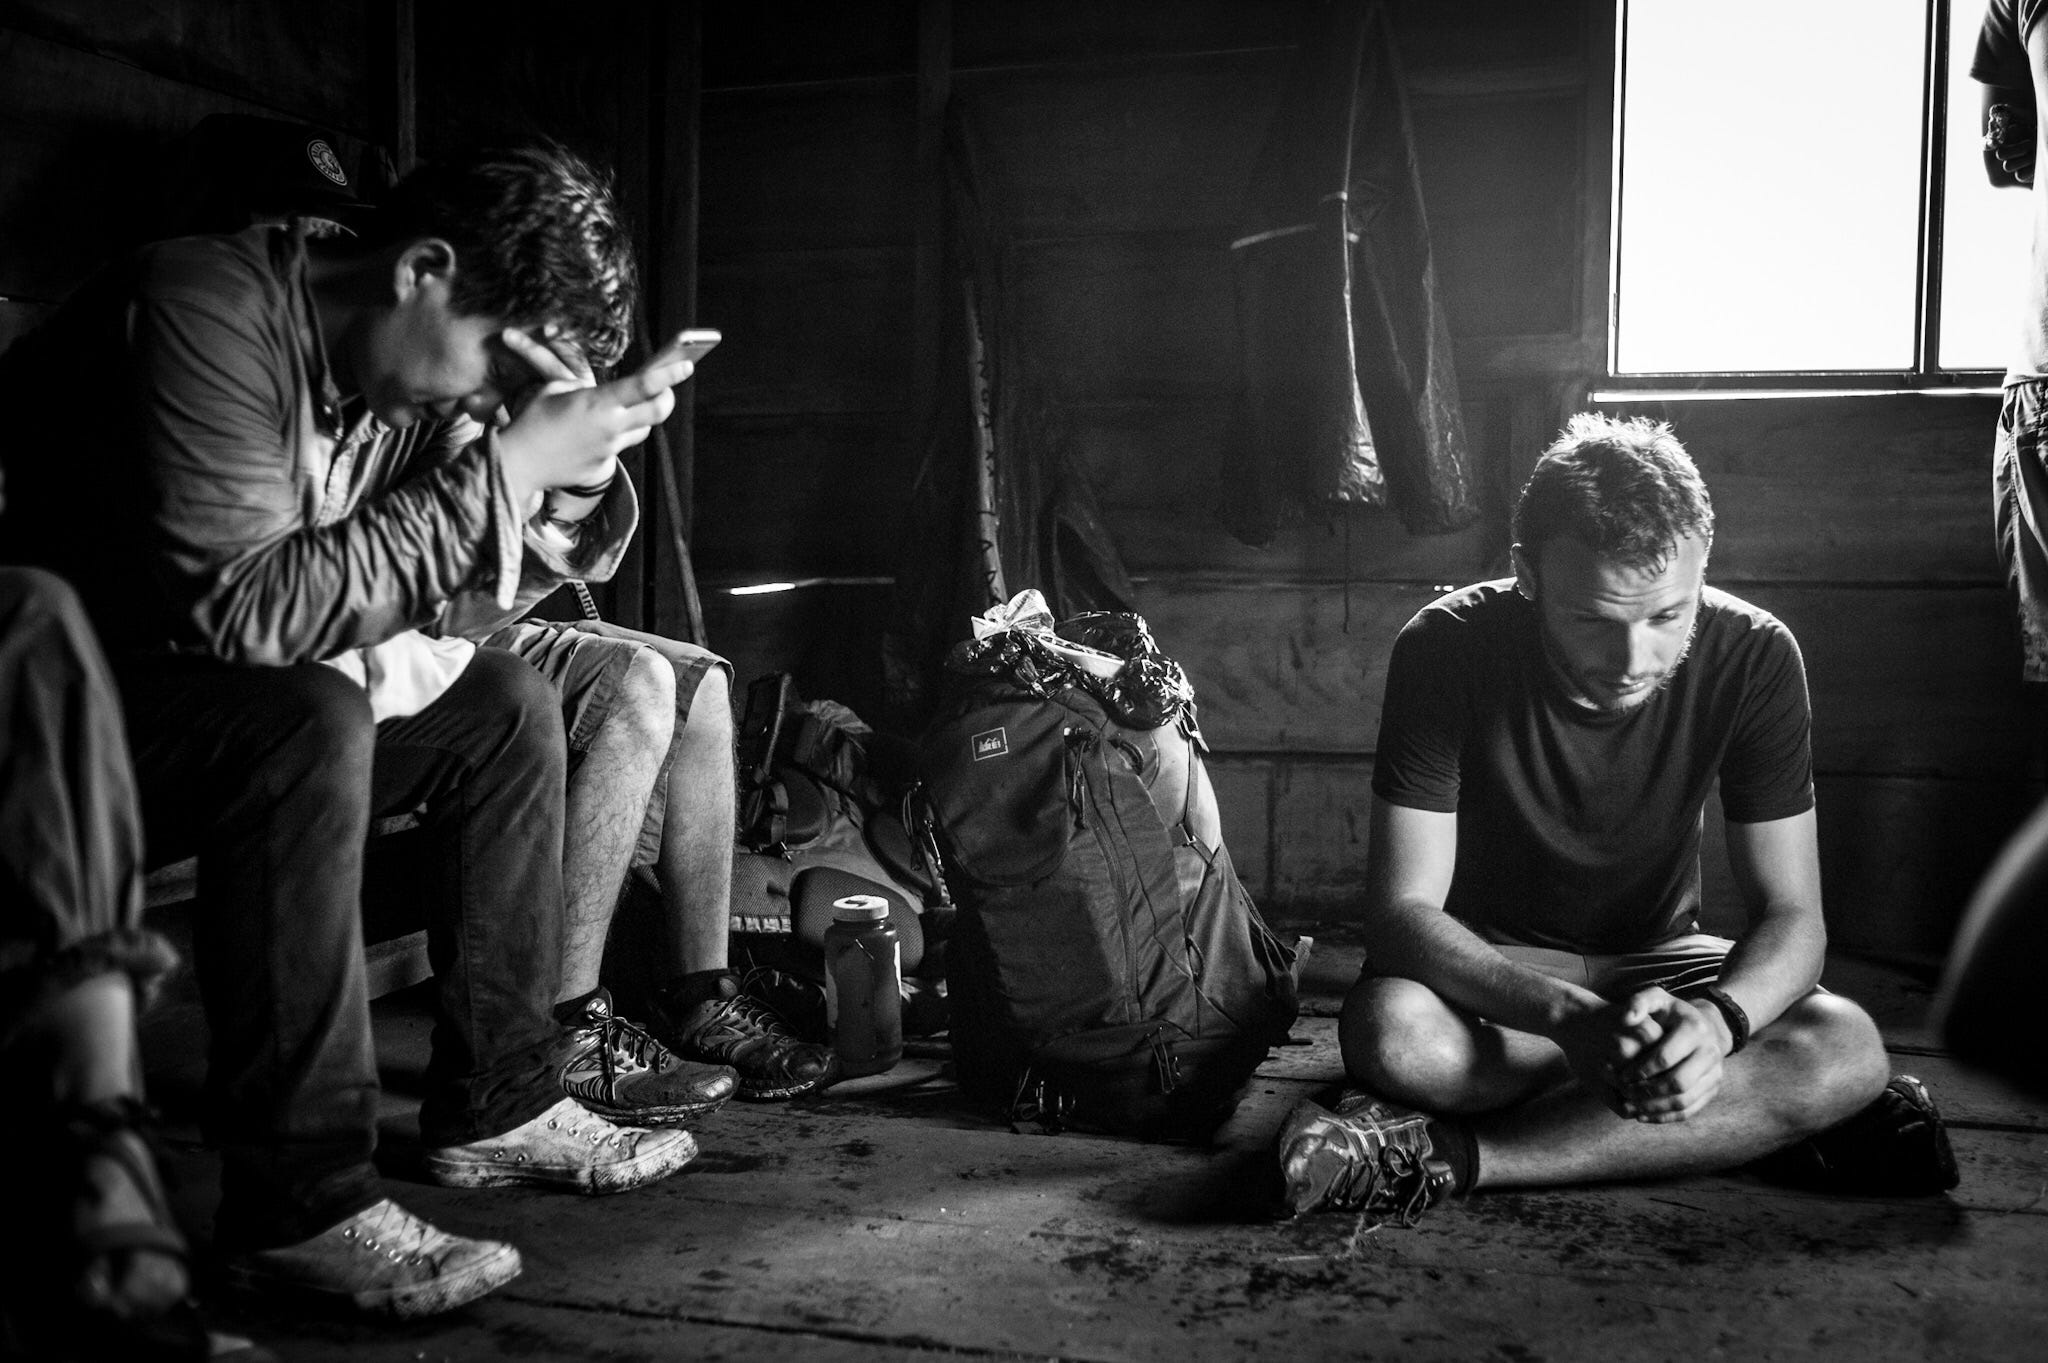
1107, 970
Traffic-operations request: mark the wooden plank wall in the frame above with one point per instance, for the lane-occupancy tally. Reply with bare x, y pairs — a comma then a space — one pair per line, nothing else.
93, 96
1119, 137
616, 87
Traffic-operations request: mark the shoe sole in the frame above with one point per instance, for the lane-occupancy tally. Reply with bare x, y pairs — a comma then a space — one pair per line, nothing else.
771, 1093
444, 1293
674, 1114
620, 1176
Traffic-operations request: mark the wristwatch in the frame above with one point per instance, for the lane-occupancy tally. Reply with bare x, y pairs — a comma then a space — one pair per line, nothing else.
1731, 1011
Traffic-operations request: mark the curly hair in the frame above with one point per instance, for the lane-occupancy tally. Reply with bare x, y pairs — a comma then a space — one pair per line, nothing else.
1626, 489
538, 239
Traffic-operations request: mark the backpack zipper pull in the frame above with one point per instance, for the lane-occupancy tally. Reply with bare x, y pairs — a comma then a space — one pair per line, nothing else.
1165, 1066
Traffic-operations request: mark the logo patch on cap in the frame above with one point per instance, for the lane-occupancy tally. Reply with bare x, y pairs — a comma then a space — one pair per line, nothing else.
990, 743
326, 162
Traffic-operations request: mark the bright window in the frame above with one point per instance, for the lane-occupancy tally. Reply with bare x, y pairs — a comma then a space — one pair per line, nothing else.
1776, 209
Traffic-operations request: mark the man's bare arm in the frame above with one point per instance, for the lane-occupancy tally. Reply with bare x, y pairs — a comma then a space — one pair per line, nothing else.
1408, 879
1779, 956
2008, 138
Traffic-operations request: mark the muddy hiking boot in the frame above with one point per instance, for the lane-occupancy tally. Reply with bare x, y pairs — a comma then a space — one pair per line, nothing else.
732, 1028
1897, 1146
620, 1071
1366, 1155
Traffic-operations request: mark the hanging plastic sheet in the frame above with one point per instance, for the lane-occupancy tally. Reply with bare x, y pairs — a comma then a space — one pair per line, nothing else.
1348, 393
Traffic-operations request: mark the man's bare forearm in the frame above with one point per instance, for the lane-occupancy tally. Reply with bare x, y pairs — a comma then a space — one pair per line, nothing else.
1421, 942
1775, 964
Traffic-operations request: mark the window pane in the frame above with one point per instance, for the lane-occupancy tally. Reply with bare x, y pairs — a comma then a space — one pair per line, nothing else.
1769, 208
1984, 230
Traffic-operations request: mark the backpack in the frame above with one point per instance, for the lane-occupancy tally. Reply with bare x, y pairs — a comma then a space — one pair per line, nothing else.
801, 765
1106, 968
819, 818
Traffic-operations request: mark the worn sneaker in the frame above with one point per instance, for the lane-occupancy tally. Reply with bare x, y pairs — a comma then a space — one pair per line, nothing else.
568, 1146
733, 1028
1366, 1156
1896, 1146
384, 1261
619, 1071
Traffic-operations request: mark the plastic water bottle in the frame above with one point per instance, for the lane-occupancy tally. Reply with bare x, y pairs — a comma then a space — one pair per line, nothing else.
864, 985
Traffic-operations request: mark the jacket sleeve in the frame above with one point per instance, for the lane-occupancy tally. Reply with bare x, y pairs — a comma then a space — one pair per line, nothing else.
246, 567
545, 565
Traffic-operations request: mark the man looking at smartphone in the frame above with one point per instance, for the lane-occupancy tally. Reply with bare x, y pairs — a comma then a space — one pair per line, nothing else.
277, 471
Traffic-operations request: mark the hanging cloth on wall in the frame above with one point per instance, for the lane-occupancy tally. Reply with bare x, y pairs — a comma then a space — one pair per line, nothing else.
1001, 502
1348, 394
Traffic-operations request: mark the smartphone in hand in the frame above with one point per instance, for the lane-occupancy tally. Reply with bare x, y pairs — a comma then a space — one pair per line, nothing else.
692, 345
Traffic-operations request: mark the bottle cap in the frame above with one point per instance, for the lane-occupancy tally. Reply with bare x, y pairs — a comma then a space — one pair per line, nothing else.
860, 908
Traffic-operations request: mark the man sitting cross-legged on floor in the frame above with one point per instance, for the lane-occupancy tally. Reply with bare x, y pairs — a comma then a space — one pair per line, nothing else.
1536, 982
650, 732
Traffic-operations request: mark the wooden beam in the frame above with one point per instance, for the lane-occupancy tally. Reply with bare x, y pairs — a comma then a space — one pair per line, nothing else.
403, 109
934, 89
675, 170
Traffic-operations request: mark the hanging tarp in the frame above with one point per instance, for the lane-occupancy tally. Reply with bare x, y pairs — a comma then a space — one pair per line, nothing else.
1348, 395
1001, 503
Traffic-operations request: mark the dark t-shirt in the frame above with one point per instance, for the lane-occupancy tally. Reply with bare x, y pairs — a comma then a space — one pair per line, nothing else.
1580, 830
2001, 55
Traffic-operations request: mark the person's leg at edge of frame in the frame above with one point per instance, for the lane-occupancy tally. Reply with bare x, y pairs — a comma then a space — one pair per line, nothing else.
2020, 509
76, 956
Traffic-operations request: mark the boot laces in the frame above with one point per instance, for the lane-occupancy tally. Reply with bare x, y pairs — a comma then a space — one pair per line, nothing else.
1393, 1181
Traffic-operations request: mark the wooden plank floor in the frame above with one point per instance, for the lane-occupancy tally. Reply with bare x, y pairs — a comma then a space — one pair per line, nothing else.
885, 1220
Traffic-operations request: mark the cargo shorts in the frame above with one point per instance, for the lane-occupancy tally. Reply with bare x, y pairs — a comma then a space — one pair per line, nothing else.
2019, 489
585, 661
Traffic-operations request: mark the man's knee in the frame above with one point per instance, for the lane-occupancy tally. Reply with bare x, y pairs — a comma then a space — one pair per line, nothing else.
37, 598
1392, 1035
709, 722
643, 708
1839, 1055
314, 722
516, 706
704, 757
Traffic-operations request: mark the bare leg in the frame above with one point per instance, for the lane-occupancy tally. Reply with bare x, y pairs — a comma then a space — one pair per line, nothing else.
704, 1013
696, 836
85, 1036
1399, 1039
82, 1041
1818, 1064
607, 802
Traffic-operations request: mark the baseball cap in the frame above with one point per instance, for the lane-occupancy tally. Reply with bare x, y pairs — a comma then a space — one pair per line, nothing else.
244, 167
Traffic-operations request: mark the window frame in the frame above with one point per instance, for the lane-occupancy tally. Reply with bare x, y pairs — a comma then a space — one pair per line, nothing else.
1926, 373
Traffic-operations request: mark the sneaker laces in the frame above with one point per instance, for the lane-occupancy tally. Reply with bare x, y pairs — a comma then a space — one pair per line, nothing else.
1396, 1180
744, 1012
1408, 1182
626, 1047
582, 1117
400, 1236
